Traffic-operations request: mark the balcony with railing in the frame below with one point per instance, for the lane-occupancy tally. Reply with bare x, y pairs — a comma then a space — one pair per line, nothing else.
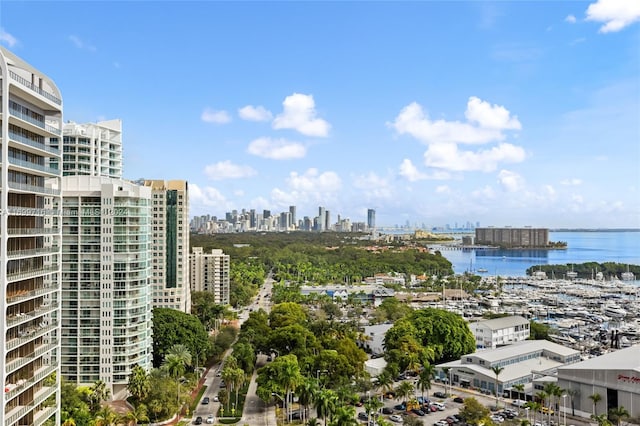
31, 333
32, 272
32, 143
20, 295
27, 211
26, 83
33, 188
16, 254
18, 362
33, 166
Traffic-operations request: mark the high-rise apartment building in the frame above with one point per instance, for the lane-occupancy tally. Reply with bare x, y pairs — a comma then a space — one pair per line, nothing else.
170, 244
30, 115
106, 297
91, 149
513, 237
210, 272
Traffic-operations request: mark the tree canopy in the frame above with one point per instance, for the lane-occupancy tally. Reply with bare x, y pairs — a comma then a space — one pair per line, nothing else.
172, 327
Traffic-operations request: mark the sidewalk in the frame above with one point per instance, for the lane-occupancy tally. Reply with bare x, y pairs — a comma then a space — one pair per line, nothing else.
256, 412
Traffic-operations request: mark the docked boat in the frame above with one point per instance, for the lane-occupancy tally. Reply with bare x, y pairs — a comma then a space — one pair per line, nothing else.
614, 311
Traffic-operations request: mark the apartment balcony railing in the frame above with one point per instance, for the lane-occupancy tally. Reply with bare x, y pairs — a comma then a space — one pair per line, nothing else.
28, 316
43, 415
24, 360
33, 166
33, 188
31, 334
23, 81
38, 123
14, 254
17, 388
35, 272
25, 140
28, 294
27, 211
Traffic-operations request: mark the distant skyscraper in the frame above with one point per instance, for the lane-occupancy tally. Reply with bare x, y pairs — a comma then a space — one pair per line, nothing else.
170, 244
210, 272
321, 218
292, 210
30, 253
106, 298
371, 219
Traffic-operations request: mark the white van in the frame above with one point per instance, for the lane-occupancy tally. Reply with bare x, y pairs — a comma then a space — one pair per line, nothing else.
440, 405
518, 403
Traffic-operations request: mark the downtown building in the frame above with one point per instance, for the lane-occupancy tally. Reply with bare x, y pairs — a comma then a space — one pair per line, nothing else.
30, 233
106, 295
170, 244
513, 237
210, 272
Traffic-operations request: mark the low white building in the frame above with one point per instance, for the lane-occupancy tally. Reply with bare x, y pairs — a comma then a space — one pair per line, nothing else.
497, 332
375, 366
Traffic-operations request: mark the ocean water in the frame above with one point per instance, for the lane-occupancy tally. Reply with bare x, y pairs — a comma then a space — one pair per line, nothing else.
593, 246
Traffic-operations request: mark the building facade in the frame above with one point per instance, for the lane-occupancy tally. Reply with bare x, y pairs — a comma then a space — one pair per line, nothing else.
30, 115
210, 272
490, 334
513, 237
170, 244
106, 297
614, 376
91, 149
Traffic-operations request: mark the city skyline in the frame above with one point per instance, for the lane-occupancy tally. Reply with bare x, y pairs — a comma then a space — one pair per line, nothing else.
494, 112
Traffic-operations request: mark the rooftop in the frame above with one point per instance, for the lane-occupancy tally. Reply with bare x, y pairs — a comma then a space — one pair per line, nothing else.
504, 322
523, 347
623, 359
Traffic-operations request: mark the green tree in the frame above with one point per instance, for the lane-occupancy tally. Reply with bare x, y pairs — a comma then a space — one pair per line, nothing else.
326, 403
404, 391
138, 384
307, 392
601, 419
573, 393
425, 378
595, 398
286, 314
98, 392
172, 327
618, 414
344, 416
473, 412
538, 331
497, 370
205, 307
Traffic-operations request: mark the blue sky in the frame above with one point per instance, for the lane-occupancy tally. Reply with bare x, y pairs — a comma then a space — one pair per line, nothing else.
504, 113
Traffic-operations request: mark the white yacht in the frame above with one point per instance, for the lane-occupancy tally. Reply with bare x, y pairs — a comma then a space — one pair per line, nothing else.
614, 311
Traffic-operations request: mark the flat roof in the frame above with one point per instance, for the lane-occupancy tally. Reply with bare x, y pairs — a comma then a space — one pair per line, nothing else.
622, 359
504, 322
521, 348
512, 372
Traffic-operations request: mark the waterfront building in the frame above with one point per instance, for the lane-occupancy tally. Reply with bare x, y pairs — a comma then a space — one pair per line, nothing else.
490, 334
91, 149
210, 272
170, 244
30, 116
521, 361
512, 237
106, 298
614, 376
366, 293
371, 219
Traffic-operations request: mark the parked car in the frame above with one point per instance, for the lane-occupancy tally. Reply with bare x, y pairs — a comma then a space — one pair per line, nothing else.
363, 416
396, 418
458, 399
496, 418
205, 400
441, 423
210, 419
400, 407
440, 394
418, 412
215, 398
387, 410
198, 420
432, 408
440, 406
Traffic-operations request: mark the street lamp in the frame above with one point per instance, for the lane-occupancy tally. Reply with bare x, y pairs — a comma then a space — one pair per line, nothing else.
564, 408
281, 399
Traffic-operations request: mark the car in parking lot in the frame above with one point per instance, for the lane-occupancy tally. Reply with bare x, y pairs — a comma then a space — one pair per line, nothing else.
215, 398
205, 400
440, 394
363, 416
387, 410
396, 418
210, 419
418, 412
441, 423
198, 420
400, 407
458, 399
440, 406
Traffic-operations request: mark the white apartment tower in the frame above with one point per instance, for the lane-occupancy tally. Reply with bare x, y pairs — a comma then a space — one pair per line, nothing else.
106, 297
30, 114
92, 149
170, 244
210, 272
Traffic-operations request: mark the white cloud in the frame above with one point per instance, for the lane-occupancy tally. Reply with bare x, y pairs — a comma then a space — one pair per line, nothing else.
227, 170
277, 149
410, 171
213, 116
490, 116
373, 186
443, 189
299, 113
615, 14
485, 193
251, 113
447, 156
570, 19
80, 44
510, 181
7, 38
313, 180
571, 182
207, 197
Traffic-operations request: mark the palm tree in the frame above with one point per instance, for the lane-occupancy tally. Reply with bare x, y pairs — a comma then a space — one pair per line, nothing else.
289, 377
372, 405
384, 382
572, 394
618, 414
182, 352
326, 402
404, 391
596, 397
520, 388
69, 422
138, 415
138, 385
98, 393
313, 421
601, 419
306, 393
497, 370
553, 391
425, 377
344, 416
